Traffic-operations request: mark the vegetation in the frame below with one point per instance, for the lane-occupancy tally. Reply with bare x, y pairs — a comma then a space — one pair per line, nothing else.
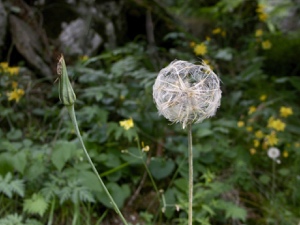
246, 158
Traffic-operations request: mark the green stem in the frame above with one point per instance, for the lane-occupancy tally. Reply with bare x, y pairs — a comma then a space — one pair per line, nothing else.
190, 152
50, 220
74, 121
146, 167
273, 181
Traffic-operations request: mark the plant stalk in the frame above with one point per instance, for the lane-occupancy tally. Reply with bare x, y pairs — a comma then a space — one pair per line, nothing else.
74, 121
191, 185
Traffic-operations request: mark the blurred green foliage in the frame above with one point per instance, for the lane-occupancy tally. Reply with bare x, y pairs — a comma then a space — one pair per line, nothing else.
44, 177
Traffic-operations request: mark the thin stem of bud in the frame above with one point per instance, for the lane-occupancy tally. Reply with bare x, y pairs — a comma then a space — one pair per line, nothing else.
74, 121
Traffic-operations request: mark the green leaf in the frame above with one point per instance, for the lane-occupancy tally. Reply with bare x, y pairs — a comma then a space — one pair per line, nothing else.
265, 179
204, 132
12, 219
35, 170
35, 205
208, 209
161, 168
20, 161
235, 212
62, 152
90, 180
14, 134
118, 193
8, 186
181, 184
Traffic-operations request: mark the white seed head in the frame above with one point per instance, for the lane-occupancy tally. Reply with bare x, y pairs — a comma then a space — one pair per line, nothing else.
187, 93
273, 153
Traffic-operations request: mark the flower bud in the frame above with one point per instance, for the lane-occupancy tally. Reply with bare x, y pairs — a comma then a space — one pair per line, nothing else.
66, 93
187, 93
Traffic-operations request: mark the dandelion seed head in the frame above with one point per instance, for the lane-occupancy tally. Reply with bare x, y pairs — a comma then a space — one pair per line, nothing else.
187, 93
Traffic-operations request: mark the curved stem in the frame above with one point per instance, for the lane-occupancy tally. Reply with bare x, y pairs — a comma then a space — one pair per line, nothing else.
74, 121
190, 152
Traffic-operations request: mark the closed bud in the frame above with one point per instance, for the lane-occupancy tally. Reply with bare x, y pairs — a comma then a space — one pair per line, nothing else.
66, 93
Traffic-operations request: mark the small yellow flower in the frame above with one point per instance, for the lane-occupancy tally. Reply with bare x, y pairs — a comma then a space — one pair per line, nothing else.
286, 111
259, 134
16, 95
252, 151
249, 129
146, 148
252, 109
271, 139
276, 124
217, 30
240, 123
285, 154
262, 17
84, 58
258, 33
266, 45
207, 38
192, 44
127, 124
297, 144
14, 84
13, 70
207, 62
223, 33
256, 143
4, 66
260, 8
200, 49
263, 98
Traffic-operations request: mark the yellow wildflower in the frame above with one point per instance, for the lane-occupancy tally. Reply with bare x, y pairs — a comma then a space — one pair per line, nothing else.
207, 62
297, 144
258, 33
249, 129
252, 109
271, 139
4, 66
84, 58
262, 16
200, 49
192, 44
285, 154
14, 84
240, 123
16, 95
266, 44
223, 33
276, 124
207, 38
127, 124
286, 111
13, 70
259, 134
256, 143
252, 151
146, 148
263, 98
217, 30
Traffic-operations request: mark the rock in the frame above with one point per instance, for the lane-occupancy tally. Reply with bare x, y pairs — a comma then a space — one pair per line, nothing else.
78, 39
29, 45
3, 25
